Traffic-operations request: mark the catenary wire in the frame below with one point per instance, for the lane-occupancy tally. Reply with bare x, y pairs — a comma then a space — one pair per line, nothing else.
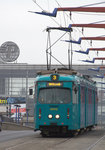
93, 4
43, 10
77, 28
67, 15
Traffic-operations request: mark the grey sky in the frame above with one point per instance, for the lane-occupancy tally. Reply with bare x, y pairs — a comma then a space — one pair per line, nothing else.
28, 30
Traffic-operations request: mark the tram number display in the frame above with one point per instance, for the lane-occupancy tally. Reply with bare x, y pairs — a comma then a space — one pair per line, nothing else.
54, 77
54, 84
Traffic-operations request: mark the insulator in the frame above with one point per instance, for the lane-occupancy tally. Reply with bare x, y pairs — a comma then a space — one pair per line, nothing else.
97, 53
82, 30
91, 42
70, 15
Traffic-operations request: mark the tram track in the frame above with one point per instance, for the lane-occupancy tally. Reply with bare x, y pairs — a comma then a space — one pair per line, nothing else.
51, 142
96, 143
84, 141
62, 142
22, 142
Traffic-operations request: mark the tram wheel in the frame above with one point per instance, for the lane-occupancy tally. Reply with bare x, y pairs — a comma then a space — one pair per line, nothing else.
44, 135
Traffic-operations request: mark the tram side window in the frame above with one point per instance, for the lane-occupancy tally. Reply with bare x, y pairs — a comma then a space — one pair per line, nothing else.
35, 94
75, 97
96, 97
82, 94
90, 96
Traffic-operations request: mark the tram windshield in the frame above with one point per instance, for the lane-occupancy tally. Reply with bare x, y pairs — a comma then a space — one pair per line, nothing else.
54, 96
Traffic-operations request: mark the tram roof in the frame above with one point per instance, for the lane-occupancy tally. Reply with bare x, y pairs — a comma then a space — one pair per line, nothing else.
65, 75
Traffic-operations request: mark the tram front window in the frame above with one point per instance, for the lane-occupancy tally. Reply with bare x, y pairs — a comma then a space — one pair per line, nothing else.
54, 96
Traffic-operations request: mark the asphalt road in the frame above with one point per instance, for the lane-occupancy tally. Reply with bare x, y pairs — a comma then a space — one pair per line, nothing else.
11, 135
30, 140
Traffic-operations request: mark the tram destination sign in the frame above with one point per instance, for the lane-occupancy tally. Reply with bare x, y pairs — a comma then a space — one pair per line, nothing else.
51, 84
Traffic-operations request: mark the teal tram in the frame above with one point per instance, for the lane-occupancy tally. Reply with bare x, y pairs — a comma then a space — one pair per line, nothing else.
65, 102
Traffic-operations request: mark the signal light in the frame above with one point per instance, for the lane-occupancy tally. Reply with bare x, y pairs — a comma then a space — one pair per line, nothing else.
68, 113
39, 113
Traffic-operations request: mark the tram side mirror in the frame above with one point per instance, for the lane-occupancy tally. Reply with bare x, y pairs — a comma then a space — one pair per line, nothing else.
30, 91
75, 90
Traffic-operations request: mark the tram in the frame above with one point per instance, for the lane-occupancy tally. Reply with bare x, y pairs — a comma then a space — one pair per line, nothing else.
65, 102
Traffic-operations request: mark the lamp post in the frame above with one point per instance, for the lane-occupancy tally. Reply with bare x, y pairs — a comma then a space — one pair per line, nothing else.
18, 112
101, 95
17, 106
27, 110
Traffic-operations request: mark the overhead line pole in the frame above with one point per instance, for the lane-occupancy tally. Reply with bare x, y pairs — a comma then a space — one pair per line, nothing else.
91, 25
93, 38
83, 9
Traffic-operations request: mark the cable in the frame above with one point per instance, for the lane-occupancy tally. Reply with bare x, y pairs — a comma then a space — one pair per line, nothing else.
51, 17
43, 10
56, 41
82, 13
92, 14
73, 22
63, 12
67, 16
48, 5
57, 60
97, 22
93, 4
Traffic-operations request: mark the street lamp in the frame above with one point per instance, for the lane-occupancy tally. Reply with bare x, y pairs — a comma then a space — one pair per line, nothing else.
102, 77
17, 106
27, 110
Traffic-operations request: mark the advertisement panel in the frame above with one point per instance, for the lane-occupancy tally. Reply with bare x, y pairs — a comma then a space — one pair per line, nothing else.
3, 101
21, 109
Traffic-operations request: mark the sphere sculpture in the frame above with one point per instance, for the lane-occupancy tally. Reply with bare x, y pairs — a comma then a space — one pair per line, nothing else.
9, 51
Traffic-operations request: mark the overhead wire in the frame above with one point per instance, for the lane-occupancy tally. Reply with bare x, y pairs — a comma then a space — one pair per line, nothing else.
48, 5
63, 12
57, 60
94, 22
59, 13
92, 14
73, 23
55, 41
97, 22
93, 4
68, 16
51, 45
86, 6
43, 10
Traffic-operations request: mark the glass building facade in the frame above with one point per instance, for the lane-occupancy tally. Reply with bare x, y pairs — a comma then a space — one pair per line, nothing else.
16, 79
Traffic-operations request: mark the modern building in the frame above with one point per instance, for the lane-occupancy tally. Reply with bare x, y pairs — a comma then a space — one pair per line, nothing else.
16, 79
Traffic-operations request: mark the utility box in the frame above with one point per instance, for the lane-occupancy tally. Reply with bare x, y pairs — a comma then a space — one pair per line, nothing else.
3, 109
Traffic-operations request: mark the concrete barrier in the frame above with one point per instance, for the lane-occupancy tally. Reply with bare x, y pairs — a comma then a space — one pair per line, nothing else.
14, 126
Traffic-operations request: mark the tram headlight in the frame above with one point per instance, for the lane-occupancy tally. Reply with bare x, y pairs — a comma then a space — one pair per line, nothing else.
57, 116
50, 116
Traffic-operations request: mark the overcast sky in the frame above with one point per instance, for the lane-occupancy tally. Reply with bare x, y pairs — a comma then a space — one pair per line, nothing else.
27, 30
